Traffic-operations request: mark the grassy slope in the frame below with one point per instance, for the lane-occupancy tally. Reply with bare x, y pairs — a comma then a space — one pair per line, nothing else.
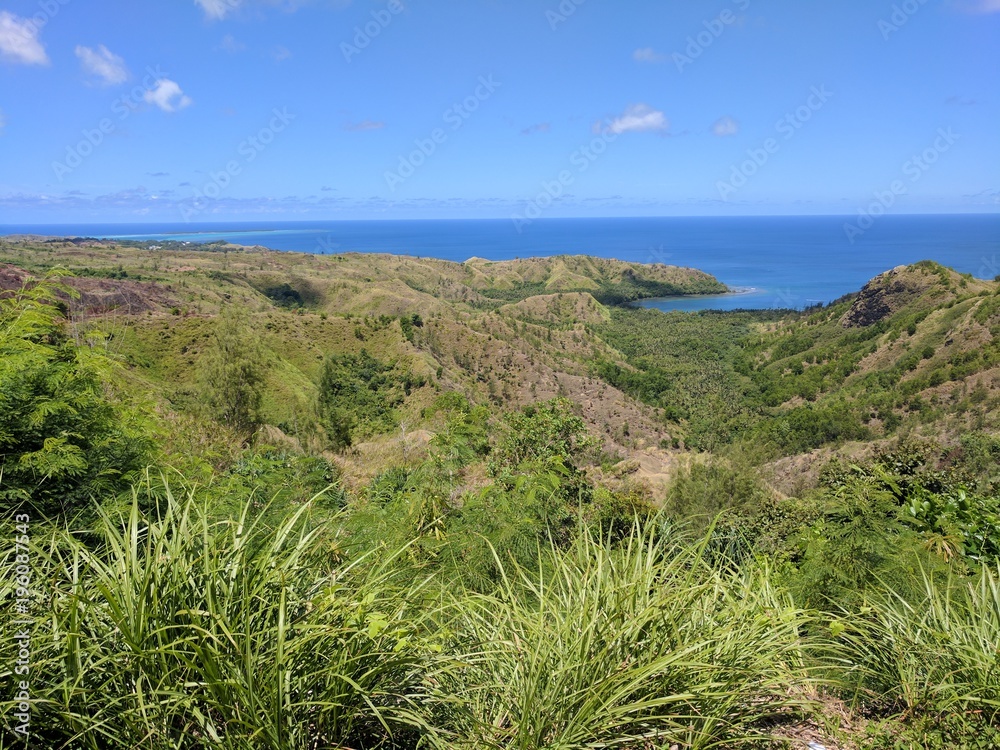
515, 332
728, 376
485, 332
916, 350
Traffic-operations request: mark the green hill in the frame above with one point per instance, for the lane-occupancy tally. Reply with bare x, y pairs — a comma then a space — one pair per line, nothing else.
381, 501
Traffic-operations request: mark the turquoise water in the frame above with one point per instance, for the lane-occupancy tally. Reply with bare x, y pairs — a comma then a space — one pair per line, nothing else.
774, 261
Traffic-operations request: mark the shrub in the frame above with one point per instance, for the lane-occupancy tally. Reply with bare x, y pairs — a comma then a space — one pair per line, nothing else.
232, 374
539, 433
358, 394
66, 432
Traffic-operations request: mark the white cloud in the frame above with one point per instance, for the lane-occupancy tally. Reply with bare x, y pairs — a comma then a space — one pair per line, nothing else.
280, 54
648, 55
960, 101
167, 96
639, 118
725, 126
3, 122
19, 40
103, 64
985, 6
216, 9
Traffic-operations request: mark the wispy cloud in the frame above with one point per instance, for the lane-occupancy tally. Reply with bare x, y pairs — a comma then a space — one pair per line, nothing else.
103, 64
280, 54
725, 126
217, 9
3, 122
541, 127
960, 101
983, 6
19, 41
648, 55
984, 197
231, 44
360, 127
168, 96
637, 118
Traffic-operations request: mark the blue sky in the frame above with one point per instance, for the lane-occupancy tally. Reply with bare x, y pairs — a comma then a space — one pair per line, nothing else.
257, 110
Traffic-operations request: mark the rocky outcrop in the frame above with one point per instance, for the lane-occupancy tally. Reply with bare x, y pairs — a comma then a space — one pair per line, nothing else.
886, 294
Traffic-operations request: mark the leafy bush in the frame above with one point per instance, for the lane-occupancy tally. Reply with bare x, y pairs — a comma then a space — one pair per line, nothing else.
859, 544
66, 433
358, 395
728, 496
953, 519
538, 433
806, 427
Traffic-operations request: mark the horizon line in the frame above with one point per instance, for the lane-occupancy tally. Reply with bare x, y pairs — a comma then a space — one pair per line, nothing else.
493, 218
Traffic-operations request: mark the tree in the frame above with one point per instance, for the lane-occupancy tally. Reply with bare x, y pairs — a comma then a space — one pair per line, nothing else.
538, 433
67, 434
233, 373
357, 396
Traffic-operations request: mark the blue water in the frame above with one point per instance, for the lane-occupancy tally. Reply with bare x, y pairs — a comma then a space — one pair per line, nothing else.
782, 261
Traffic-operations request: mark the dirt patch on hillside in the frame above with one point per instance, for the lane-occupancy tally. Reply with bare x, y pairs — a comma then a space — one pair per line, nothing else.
101, 296
884, 295
11, 279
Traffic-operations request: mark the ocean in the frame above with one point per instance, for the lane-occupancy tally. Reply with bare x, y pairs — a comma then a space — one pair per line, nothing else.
789, 262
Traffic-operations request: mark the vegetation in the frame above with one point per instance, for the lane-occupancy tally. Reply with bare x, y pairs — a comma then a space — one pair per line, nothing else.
397, 514
358, 395
65, 435
233, 375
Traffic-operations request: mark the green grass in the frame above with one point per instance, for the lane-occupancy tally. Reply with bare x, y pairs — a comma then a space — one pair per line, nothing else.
187, 632
265, 630
938, 655
641, 645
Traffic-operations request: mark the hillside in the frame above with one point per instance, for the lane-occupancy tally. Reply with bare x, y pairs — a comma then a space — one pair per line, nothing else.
914, 351
474, 335
508, 486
